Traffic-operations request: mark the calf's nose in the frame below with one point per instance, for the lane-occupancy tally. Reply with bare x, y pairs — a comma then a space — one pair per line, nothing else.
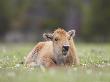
66, 47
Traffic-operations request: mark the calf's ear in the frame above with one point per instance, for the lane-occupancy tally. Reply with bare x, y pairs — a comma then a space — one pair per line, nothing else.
48, 36
71, 33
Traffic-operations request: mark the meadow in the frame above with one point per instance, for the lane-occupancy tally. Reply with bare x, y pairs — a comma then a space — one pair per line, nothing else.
94, 58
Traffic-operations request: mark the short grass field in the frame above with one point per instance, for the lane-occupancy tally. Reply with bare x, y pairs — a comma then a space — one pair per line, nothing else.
94, 59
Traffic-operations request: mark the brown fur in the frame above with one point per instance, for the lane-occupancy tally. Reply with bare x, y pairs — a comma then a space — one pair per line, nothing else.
48, 53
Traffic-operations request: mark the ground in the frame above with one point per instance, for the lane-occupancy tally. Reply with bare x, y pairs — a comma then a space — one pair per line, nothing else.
94, 58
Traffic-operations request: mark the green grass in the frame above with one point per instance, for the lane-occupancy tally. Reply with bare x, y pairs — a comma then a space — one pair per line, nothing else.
94, 58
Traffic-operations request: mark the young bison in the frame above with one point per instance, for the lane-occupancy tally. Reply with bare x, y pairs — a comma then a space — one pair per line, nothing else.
57, 50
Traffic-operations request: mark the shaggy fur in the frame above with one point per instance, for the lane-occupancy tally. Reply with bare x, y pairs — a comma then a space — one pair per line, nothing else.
49, 53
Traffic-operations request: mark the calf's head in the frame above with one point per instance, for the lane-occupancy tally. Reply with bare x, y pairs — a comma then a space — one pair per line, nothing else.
60, 40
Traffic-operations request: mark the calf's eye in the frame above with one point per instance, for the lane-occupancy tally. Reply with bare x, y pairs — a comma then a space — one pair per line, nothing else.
69, 38
56, 39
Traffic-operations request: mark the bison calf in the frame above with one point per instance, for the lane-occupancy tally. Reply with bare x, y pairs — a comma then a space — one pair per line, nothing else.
57, 50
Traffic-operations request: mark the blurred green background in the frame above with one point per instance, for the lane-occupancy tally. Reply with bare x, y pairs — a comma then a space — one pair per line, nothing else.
22, 23
26, 20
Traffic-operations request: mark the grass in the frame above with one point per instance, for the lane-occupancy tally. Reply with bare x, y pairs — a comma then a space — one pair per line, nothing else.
94, 58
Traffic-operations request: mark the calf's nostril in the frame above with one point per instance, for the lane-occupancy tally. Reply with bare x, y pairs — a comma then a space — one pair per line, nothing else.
66, 47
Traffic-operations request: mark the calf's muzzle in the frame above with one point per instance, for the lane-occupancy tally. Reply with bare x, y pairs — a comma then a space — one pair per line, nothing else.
65, 49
